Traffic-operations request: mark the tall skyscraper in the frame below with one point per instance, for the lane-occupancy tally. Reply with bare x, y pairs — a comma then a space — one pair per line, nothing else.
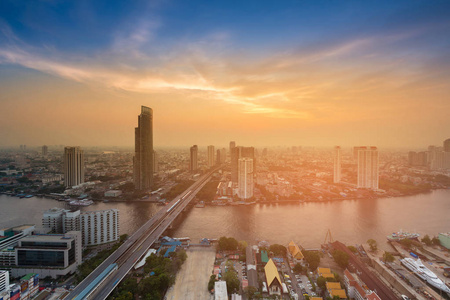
232, 145
447, 145
44, 150
337, 165
245, 178
143, 157
218, 157
193, 164
211, 160
223, 155
237, 153
368, 168
73, 166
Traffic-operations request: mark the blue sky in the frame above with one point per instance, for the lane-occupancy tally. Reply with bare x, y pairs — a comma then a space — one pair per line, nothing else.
301, 66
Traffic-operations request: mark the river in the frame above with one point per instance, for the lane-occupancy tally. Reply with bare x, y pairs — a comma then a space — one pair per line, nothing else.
350, 221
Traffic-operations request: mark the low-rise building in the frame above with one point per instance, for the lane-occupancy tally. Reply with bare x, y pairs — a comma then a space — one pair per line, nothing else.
113, 193
48, 255
295, 252
444, 238
220, 290
273, 278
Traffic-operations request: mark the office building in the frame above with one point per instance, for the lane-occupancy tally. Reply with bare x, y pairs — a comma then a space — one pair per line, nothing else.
99, 227
218, 158
417, 158
232, 145
438, 159
48, 254
337, 165
245, 178
368, 168
193, 163
447, 145
143, 147
211, 156
96, 227
44, 150
73, 166
238, 153
9, 237
223, 155
4, 280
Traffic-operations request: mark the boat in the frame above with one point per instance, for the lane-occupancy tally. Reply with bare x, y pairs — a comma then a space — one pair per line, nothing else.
424, 273
28, 196
81, 202
401, 235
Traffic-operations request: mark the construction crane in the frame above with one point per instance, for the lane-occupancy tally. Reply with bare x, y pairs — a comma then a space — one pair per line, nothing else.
329, 236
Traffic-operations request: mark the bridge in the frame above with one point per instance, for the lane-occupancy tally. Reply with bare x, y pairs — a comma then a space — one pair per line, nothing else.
135, 247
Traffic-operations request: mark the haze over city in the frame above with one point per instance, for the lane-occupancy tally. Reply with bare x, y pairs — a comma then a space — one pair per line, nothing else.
261, 73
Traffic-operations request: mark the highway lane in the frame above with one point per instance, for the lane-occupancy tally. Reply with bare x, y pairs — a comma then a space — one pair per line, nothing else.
137, 245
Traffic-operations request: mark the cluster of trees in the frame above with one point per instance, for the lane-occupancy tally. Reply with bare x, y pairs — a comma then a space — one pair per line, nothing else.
388, 257
430, 241
278, 250
88, 266
181, 186
341, 258
161, 275
372, 244
231, 278
404, 188
207, 193
312, 258
227, 243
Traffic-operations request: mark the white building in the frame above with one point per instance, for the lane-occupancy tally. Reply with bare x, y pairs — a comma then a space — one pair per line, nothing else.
368, 168
113, 193
4, 281
99, 227
9, 237
220, 290
73, 166
337, 165
245, 178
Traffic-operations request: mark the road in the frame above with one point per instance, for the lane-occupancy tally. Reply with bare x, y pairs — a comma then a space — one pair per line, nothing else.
138, 244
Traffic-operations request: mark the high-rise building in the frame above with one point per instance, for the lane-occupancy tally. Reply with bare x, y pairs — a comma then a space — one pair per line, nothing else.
73, 166
237, 153
44, 150
232, 145
4, 280
143, 148
193, 163
211, 160
355, 151
155, 162
245, 178
218, 157
96, 227
447, 145
99, 227
417, 158
337, 165
368, 168
223, 155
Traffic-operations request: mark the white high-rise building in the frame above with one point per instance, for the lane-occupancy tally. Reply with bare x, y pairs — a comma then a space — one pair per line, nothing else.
368, 168
99, 227
4, 281
73, 166
245, 178
211, 156
337, 165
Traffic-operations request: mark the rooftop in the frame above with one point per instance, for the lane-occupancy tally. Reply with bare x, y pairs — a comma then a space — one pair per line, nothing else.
272, 273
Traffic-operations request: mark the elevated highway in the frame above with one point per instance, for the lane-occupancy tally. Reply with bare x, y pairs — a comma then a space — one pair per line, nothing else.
137, 244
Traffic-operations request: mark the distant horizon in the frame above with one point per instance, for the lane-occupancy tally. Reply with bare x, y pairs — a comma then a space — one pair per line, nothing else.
262, 73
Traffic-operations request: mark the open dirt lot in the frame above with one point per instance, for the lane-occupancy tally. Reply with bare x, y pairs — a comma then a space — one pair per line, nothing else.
192, 279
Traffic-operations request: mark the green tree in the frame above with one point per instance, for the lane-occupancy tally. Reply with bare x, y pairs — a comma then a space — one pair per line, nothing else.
388, 257
372, 244
352, 248
212, 280
250, 291
321, 282
278, 250
435, 241
341, 258
297, 268
124, 295
243, 245
426, 240
312, 258
227, 243
232, 280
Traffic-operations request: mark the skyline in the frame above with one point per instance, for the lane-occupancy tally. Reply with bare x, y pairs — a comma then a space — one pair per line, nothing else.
260, 73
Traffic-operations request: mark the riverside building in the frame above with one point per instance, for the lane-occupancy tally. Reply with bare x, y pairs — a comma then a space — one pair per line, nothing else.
73, 166
143, 157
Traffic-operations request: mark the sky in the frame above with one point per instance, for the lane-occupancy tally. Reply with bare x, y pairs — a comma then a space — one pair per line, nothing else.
261, 73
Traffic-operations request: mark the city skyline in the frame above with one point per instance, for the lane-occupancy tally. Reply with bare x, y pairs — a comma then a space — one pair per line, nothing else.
262, 74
